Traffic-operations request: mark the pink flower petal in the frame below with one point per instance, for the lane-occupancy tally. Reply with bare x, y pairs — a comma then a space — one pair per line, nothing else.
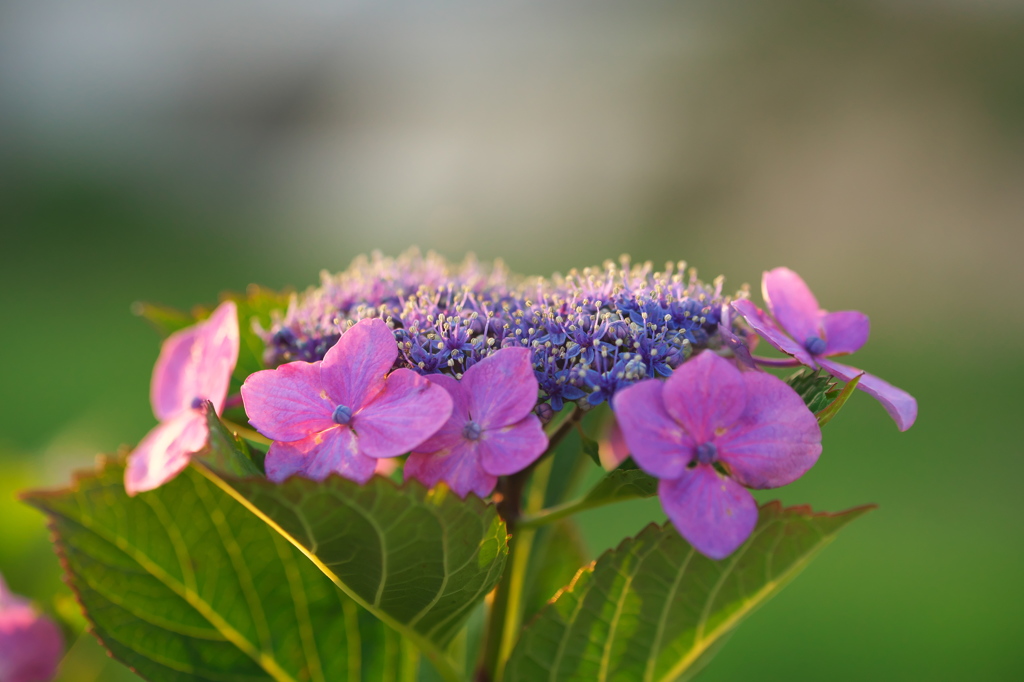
704, 394
900, 405
174, 384
165, 451
845, 331
714, 513
510, 449
216, 353
767, 330
792, 303
288, 403
196, 362
353, 370
31, 645
459, 467
775, 441
659, 445
405, 413
502, 388
334, 451
450, 433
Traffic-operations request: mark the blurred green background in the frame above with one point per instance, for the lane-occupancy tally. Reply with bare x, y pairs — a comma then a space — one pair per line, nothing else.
166, 153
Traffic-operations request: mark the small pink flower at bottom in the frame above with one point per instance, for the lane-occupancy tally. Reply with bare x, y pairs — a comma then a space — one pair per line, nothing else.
816, 335
709, 416
194, 366
344, 413
492, 430
31, 644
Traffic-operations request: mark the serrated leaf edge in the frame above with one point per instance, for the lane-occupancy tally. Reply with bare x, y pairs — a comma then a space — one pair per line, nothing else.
759, 598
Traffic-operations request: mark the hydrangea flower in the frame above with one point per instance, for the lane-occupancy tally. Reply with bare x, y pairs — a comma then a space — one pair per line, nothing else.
591, 332
815, 335
492, 430
342, 414
31, 644
194, 366
709, 432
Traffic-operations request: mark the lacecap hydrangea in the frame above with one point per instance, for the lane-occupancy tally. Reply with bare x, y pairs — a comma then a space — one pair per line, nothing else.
592, 332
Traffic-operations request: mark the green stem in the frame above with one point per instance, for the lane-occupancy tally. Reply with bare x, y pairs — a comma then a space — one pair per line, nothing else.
247, 433
506, 608
560, 511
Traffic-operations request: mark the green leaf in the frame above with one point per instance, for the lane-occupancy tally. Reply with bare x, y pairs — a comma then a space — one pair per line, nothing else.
419, 559
653, 609
590, 447
826, 414
164, 319
816, 389
558, 553
225, 452
619, 485
184, 583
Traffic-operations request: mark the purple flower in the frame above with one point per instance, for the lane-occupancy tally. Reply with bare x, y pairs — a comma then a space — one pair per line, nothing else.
492, 430
814, 335
31, 645
342, 414
194, 366
592, 332
708, 432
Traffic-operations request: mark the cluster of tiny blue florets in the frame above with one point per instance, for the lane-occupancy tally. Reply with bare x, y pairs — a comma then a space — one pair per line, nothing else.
593, 331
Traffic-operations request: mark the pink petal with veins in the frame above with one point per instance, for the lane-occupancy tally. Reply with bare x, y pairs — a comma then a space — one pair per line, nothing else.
510, 449
216, 353
775, 441
408, 410
502, 388
288, 403
174, 384
196, 362
353, 369
335, 451
767, 330
450, 433
792, 303
165, 451
714, 513
458, 466
705, 394
846, 331
660, 446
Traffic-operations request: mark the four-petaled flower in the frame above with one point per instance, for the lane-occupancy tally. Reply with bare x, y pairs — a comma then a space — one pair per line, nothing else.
31, 645
814, 335
194, 366
708, 432
342, 414
492, 430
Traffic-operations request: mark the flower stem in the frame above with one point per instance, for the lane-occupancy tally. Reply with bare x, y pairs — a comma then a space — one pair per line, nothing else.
247, 433
559, 512
506, 609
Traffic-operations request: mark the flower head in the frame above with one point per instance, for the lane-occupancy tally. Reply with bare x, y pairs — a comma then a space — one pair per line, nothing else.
591, 332
194, 366
342, 414
492, 430
31, 644
812, 335
709, 432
